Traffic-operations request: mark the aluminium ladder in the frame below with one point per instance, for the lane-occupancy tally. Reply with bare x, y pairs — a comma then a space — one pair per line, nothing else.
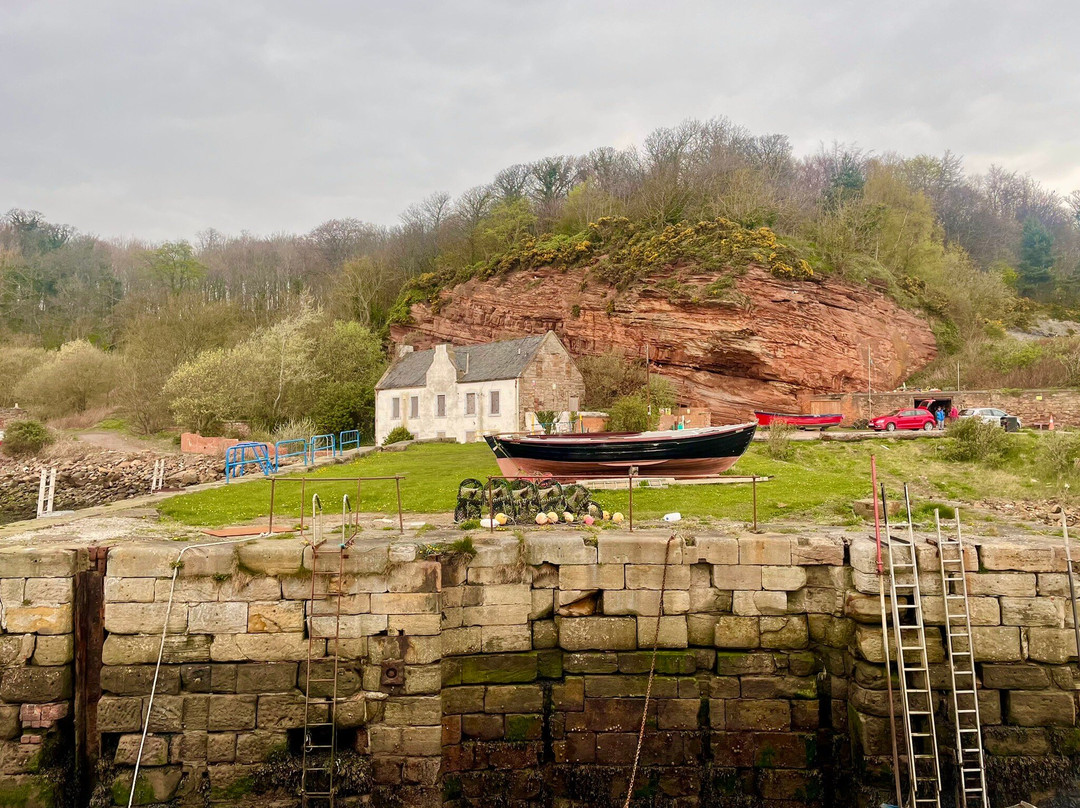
917, 697
317, 787
965, 698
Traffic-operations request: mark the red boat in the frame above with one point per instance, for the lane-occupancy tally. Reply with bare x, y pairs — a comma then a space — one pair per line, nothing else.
822, 422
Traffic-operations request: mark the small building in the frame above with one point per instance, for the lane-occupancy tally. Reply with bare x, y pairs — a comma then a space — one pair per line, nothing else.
467, 391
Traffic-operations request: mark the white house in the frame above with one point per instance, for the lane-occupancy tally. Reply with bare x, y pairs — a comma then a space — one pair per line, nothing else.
468, 391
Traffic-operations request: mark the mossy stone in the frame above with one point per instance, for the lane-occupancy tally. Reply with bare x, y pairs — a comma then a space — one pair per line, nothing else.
499, 669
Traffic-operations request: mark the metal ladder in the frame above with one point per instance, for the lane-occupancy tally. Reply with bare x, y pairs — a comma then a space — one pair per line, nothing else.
965, 698
924, 770
320, 731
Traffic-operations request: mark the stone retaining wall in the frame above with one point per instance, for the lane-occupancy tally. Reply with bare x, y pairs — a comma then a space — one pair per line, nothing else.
519, 673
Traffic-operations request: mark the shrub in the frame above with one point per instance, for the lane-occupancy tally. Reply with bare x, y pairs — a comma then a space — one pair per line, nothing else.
1059, 454
296, 429
780, 440
74, 378
16, 363
26, 437
973, 441
631, 414
398, 434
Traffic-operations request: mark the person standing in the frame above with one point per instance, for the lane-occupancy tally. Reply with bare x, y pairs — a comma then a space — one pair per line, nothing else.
953, 414
939, 416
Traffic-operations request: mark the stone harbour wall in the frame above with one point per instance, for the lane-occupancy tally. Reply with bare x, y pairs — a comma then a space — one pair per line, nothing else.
515, 675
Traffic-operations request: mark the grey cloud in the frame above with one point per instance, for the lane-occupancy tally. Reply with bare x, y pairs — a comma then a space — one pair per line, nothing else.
159, 119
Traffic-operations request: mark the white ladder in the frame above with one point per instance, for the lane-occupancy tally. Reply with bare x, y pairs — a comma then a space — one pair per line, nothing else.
924, 770
965, 698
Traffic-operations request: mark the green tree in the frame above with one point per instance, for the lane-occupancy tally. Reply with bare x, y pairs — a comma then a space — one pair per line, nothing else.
631, 414
174, 267
1036, 255
74, 378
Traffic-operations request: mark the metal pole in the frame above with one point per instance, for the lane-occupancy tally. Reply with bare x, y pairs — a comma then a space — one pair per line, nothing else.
630, 490
52, 490
400, 514
1072, 581
270, 528
885, 630
753, 487
356, 513
41, 494
303, 488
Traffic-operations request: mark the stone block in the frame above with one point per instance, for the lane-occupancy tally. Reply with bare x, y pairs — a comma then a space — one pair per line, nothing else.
220, 747
459, 641
714, 550
263, 647
271, 617
1054, 645
266, 677
217, 618
414, 624
672, 632
700, 628
166, 714
459, 700
631, 601
498, 595
1053, 584
778, 687
495, 615
786, 579
10, 726
621, 549
996, 643
1048, 612
120, 649
737, 577
154, 786
613, 714
1043, 708
525, 698
130, 590
37, 562
417, 576
545, 634
155, 751
708, 600
1015, 677
482, 727
676, 602
258, 746
597, 633
54, 649
47, 619
983, 611
136, 680
413, 711
835, 632
652, 576
559, 550
591, 663
262, 588
1026, 557
735, 663
189, 748
282, 711
762, 549
48, 590
501, 669
142, 560
405, 603
187, 590
737, 632
349, 626
19, 685
785, 632
758, 715
758, 603
542, 604
817, 550
1016, 741
145, 618
997, 584
278, 557
228, 712
503, 639
816, 600
594, 576
118, 714
868, 643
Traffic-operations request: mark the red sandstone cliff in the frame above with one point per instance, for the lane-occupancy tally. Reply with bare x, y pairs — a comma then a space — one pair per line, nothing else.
770, 341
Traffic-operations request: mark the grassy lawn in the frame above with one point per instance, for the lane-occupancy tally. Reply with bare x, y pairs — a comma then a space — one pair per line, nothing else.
817, 481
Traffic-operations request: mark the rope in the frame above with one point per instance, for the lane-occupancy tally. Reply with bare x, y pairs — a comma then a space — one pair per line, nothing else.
652, 674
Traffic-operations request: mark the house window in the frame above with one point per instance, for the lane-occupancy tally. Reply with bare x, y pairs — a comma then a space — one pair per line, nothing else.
395, 408
470, 403
494, 402
414, 406
440, 406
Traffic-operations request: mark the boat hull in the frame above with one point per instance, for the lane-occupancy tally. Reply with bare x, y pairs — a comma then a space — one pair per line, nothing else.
709, 451
799, 421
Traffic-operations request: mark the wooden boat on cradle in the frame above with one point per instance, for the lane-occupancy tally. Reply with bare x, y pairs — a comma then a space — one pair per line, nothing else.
682, 452
765, 418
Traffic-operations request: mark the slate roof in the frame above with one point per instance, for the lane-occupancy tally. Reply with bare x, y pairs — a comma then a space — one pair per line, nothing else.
491, 361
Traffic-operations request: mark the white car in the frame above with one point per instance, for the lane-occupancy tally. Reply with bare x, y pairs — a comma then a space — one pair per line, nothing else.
988, 415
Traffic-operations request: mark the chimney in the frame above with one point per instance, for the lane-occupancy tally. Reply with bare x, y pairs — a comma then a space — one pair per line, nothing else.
404, 349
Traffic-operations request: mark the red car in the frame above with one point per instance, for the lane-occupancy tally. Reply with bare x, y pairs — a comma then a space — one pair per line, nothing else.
914, 418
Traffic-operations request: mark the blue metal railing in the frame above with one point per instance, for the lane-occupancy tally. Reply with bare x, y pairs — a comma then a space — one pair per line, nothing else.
349, 439
322, 443
286, 444
238, 457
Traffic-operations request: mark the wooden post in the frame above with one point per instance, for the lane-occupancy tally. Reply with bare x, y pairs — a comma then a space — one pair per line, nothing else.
89, 614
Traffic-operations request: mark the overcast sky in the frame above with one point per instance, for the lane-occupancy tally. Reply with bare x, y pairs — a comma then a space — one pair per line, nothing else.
159, 119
